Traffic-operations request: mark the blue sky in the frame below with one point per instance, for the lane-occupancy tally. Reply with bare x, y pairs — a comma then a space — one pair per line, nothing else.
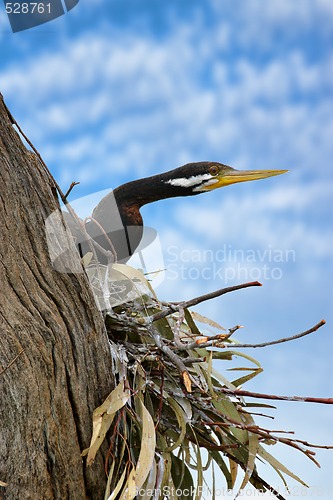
120, 89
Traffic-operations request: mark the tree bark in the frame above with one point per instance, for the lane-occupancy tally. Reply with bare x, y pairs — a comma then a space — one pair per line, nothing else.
55, 363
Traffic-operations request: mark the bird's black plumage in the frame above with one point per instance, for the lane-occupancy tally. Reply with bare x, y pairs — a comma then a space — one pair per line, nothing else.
118, 213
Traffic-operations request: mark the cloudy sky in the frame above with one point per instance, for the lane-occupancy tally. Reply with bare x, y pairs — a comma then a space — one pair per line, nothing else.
120, 89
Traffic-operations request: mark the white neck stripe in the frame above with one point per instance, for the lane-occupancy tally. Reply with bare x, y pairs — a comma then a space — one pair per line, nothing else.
184, 182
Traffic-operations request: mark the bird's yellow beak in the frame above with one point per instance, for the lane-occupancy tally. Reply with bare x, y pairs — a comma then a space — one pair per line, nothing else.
232, 176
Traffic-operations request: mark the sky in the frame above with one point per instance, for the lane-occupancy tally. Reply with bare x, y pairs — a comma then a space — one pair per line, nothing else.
120, 89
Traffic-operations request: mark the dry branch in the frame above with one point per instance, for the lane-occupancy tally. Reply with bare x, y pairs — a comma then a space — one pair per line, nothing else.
303, 399
201, 298
285, 339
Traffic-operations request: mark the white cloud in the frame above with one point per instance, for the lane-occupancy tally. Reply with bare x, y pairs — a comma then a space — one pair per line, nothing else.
274, 216
145, 104
264, 24
141, 105
147, 101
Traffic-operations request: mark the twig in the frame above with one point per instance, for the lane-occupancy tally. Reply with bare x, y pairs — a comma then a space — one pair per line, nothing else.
310, 445
268, 434
173, 356
192, 361
197, 300
250, 428
239, 392
256, 413
209, 421
106, 236
219, 339
160, 404
217, 293
214, 341
232, 331
176, 330
280, 341
73, 184
160, 344
12, 362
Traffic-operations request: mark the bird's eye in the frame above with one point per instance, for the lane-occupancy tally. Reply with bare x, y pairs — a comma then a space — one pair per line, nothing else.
214, 170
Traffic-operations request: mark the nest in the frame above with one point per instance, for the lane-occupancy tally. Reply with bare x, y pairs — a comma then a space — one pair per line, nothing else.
172, 415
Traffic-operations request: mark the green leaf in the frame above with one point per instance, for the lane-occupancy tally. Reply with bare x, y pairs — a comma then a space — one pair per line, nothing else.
135, 276
252, 447
181, 418
242, 380
148, 446
218, 459
108, 483
278, 465
130, 489
103, 417
182, 478
118, 486
189, 320
246, 356
202, 319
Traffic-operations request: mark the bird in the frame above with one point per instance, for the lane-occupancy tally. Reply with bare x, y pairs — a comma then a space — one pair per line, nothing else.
117, 217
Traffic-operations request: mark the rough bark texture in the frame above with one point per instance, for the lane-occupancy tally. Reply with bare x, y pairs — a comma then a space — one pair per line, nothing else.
49, 392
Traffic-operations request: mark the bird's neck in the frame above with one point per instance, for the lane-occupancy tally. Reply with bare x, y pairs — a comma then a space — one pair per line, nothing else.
143, 191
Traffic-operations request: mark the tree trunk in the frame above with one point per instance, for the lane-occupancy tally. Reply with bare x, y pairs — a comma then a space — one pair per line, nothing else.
55, 363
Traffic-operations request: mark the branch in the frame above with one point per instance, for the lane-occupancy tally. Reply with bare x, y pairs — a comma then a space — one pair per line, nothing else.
97, 245
310, 445
73, 184
197, 300
219, 339
239, 392
280, 341
173, 356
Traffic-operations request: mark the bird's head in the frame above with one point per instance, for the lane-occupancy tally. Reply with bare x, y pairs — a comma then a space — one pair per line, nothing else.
195, 178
